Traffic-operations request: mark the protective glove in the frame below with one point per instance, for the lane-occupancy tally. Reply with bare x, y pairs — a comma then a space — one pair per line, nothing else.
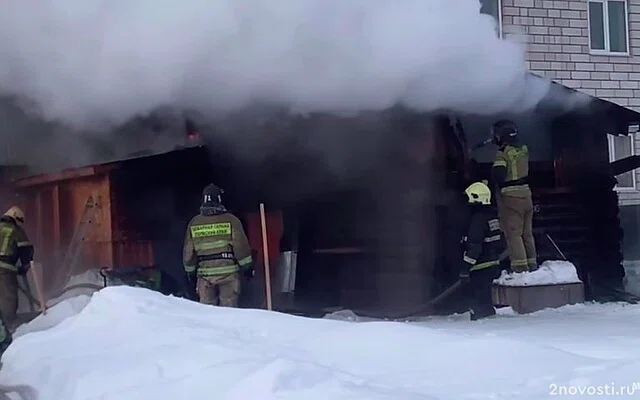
249, 273
23, 269
464, 272
192, 280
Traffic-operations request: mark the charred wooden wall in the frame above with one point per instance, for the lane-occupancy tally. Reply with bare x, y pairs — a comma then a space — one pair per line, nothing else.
595, 243
153, 199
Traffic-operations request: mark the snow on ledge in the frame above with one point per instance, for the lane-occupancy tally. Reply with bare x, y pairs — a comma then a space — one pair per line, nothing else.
549, 273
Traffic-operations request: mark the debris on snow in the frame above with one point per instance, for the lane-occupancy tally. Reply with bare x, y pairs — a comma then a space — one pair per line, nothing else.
54, 316
343, 315
81, 284
549, 273
85, 283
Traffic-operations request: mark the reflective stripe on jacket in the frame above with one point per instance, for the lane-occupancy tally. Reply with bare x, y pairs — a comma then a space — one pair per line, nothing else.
15, 246
516, 161
216, 245
485, 241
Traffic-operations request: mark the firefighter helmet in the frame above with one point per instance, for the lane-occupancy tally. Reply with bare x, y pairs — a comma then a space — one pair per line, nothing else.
212, 194
504, 131
16, 213
478, 193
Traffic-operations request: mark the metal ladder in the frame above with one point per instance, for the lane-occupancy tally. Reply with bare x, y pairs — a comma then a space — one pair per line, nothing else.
75, 246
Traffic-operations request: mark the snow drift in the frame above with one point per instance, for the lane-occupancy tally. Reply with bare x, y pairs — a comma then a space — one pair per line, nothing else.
549, 273
131, 343
106, 61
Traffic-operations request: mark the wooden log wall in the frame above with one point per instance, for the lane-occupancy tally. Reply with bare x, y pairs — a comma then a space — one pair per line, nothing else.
591, 203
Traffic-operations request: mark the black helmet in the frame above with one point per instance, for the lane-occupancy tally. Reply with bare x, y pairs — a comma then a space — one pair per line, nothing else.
211, 195
504, 131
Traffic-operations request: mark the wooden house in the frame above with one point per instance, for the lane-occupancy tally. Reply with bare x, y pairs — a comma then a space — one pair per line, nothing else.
371, 215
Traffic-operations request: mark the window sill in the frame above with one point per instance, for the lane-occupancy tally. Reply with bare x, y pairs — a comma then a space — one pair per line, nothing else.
609, 53
625, 190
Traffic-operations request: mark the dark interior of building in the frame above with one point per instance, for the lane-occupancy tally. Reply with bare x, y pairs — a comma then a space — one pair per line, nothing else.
345, 216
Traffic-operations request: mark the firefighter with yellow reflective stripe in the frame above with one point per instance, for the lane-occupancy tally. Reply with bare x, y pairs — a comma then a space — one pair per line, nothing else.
16, 254
510, 174
216, 250
483, 246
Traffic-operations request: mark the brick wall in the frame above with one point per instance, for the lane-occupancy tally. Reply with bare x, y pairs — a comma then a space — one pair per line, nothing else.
558, 48
557, 34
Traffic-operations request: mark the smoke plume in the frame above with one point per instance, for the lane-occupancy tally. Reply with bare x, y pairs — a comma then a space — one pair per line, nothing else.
97, 61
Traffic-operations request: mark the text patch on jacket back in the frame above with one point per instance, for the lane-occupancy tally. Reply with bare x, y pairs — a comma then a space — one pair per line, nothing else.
208, 230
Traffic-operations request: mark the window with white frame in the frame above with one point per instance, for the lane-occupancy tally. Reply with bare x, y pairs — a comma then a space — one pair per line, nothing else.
622, 147
494, 9
608, 26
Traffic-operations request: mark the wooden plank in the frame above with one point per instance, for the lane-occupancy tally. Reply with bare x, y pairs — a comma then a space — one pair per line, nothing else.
56, 217
55, 177
39, 234
105, 204
64, 175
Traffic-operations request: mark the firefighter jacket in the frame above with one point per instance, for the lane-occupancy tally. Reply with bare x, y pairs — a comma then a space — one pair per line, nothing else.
511, 171
216, 245
14, 245
484, 242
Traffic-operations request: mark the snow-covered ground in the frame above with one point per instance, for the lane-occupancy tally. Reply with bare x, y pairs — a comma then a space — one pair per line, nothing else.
132, 343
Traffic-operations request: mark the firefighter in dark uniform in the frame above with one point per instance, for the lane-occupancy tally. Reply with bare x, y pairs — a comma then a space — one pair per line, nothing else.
483, 246
216, 251
6, 338
16, 254
510, 175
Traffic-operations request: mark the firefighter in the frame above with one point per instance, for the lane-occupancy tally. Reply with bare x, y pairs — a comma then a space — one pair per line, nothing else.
483, 246
216, 250
510, 174
6, 338
16, 254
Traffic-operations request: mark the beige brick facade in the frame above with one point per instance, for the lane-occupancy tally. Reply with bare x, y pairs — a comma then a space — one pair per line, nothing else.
558, 47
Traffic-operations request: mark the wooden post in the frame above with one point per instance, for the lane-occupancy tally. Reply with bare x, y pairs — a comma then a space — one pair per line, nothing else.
36, 281
265, 254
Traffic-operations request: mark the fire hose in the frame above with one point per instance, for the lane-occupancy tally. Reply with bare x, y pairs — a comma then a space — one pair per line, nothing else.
429, 307
423, 310
91, 286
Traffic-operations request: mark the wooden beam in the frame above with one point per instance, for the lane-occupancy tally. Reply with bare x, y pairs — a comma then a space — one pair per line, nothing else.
55, 205
66, 174
39, 220
55, 177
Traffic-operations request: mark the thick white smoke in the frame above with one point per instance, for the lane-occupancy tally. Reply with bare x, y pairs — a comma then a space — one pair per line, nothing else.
85, 61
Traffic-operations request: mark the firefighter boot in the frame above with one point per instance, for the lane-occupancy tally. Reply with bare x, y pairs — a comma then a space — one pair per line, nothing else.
482, 314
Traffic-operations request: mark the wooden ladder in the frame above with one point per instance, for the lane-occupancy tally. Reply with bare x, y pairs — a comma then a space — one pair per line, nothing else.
68, 263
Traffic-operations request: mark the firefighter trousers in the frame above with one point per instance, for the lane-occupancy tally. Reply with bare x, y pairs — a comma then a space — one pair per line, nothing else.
6, 338
221, 290
479, 292
516, 220
8, 295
